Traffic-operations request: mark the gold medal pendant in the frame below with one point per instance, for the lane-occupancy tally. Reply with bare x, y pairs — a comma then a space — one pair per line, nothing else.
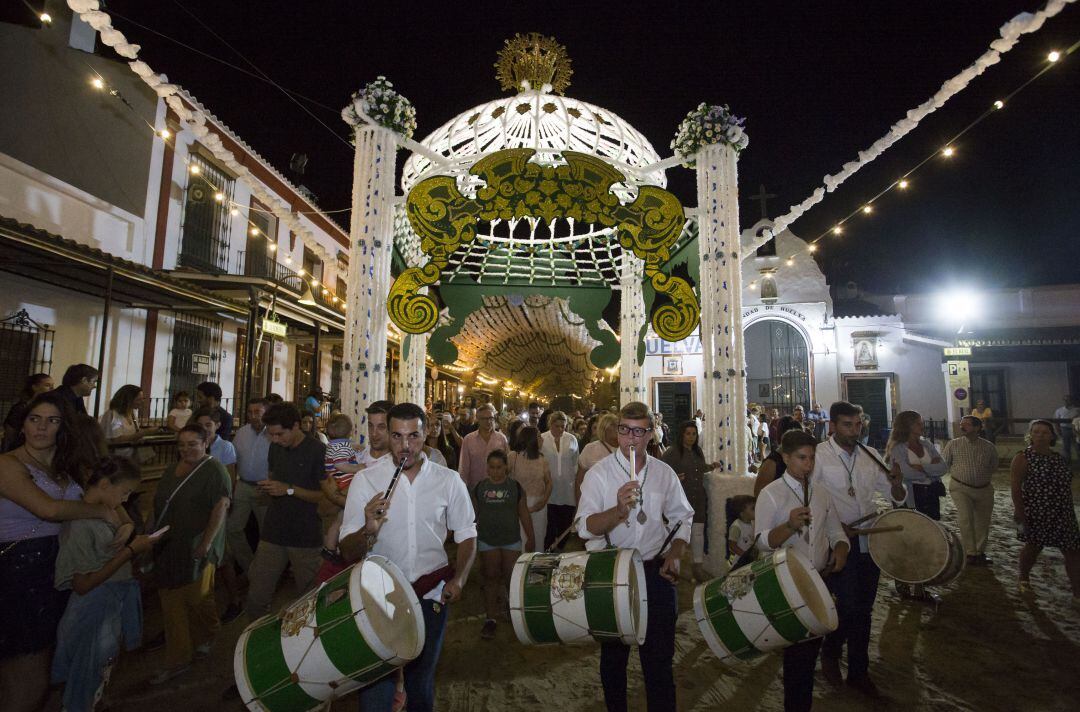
851, 491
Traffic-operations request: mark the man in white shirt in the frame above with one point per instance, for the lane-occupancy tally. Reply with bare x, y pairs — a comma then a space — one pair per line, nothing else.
628, 512
793, 514
409, 528
378, 433
853, 474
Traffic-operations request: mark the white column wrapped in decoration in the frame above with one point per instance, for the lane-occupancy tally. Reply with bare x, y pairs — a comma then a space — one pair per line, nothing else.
721, 309
412, 373
371, 233
631, 318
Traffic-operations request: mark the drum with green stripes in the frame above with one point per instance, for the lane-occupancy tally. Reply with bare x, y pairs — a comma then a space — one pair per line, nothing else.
774, 602
354, 629
579, 597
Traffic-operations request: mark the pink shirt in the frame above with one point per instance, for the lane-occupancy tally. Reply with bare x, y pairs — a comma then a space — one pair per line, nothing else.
472, 464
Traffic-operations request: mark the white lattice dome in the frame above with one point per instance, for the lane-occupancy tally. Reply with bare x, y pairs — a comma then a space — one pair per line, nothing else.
542, 121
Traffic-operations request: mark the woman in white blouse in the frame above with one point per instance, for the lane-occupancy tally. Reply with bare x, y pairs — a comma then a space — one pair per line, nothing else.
561, 450
119, 421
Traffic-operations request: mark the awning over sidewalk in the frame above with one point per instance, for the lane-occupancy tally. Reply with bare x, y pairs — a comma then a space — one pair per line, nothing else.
1036, 343
51, 259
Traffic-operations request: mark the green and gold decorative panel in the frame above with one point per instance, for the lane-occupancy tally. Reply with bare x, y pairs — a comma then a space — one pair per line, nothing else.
515, 188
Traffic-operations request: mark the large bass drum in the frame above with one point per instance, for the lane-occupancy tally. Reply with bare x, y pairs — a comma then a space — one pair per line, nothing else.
777, 601
360, 625
579, 597
924, 552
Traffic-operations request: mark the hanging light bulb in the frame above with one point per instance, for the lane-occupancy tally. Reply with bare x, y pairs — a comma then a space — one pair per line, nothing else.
288, 259
838, 230
254, 232
903, 184
46, 18
812, 248
165, 134
948, 152
1054, 56
219, 196
999, 104
194, 169
234, 212
867, 209
273, 247
301, 272
97, 83
314, 283
790, 262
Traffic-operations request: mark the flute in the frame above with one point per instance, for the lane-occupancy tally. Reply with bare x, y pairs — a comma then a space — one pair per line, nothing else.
633, 473
393, 481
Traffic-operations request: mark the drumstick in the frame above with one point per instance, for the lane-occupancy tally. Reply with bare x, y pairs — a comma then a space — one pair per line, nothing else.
670, 536
394, 480
860, 520
877, 530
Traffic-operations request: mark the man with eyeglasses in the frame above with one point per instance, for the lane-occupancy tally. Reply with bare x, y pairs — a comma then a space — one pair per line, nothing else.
475, 447
78, 383
624, 503
410, 529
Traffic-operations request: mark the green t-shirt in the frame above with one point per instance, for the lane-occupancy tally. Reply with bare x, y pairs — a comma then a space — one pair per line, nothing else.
187, 516
85, 547
497, 522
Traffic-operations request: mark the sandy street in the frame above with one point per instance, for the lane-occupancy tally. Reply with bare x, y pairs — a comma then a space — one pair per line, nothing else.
986, 648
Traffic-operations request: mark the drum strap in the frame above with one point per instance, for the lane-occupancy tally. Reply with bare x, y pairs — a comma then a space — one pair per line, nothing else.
423, 585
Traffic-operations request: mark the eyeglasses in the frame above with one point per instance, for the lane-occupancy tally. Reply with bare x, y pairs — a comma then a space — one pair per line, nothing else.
636, 432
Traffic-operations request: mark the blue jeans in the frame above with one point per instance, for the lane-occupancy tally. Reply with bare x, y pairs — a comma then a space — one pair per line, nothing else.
419, 674
656, 653
855, 588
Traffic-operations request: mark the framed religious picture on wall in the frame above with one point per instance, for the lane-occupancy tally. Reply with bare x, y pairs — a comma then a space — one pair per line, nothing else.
864, 346
673, 365
764, 391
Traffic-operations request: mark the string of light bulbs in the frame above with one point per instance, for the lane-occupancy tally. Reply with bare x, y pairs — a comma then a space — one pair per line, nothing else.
946, 151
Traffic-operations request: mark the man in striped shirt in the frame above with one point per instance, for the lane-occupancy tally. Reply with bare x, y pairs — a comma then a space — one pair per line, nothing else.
971, 461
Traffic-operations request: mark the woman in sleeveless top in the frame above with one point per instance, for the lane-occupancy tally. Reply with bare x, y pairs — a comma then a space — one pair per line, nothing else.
38, 490
1043, 503
533, 473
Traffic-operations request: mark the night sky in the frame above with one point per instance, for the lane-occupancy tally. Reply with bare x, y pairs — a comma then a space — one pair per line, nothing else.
817, 82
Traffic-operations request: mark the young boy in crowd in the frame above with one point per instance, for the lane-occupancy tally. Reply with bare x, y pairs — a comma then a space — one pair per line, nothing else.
502, 512
792, 513
342, 463
741, 533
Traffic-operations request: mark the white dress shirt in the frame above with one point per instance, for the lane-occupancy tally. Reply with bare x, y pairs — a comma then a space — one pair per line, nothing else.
773, 508
418, 518
662, 497
563, 466
831, 467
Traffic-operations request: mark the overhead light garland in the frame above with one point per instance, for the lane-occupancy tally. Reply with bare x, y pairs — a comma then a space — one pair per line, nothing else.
1010, 33
946, 152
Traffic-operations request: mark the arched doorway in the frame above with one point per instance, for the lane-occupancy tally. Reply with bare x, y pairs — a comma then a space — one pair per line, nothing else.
777, 365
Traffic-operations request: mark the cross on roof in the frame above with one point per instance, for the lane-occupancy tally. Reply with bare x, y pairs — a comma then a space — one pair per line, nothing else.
763, 197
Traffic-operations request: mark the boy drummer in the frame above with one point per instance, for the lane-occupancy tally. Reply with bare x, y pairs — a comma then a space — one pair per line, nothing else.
624, 504
791, 513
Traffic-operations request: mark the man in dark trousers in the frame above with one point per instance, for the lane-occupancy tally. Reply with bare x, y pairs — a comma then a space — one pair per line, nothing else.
291, 530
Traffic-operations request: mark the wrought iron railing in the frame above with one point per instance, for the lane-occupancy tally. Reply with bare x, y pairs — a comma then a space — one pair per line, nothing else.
266, 266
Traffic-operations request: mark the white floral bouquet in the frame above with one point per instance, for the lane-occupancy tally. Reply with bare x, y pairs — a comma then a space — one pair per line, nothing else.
384, 106
707, 125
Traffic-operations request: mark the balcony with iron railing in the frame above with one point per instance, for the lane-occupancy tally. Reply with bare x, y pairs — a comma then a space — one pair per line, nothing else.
266, 266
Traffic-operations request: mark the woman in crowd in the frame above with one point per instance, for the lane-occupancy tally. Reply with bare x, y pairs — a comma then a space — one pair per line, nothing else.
119, 421
561, 450
772, 467
581, 432
105, 607
34, 385
1043, 506
513, 433
606, 440
439, 437
914, 457
307, 424
687, 459
531, 470
192, 499
38, 489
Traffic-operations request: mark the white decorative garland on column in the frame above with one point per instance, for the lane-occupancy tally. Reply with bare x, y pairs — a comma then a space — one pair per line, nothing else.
721, 309
412, 372
371, 234
631, 318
